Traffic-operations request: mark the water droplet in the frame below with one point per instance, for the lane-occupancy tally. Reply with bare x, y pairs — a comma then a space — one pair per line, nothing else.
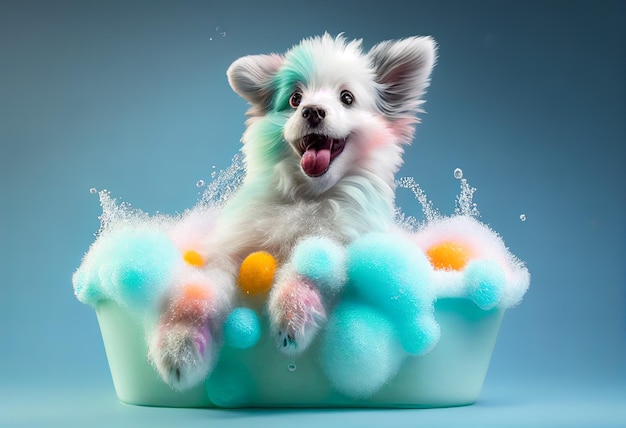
522, 217
93, 190
200, 183
458, 173
291, 367
220, 31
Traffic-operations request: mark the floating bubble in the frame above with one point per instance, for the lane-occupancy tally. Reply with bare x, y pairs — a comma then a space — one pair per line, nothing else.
200, 183
522, 217
458, 173
93, 190
291, 367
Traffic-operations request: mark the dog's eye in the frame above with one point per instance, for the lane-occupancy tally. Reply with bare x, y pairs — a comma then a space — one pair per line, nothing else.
295, 99
347, 98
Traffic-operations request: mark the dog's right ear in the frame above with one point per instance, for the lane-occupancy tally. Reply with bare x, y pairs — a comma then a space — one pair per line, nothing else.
251, 77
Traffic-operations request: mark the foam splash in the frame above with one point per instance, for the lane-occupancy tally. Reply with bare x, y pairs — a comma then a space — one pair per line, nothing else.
216, 193
225, 183
430, 213
115, 213
464, 203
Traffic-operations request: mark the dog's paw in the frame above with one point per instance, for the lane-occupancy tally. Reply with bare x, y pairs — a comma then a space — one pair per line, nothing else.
182, 354
181, 347
296, 313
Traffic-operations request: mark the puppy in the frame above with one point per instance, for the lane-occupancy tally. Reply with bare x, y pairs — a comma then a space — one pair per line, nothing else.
324, 139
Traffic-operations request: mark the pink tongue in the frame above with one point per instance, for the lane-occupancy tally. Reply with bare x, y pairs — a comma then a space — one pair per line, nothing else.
315, 162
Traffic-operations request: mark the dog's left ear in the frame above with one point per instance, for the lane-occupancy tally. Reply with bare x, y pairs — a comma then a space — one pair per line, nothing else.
403, 69
251, 76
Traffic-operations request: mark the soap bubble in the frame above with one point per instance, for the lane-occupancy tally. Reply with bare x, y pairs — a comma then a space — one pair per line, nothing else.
522, 217
200, 183
93, 190
458, 173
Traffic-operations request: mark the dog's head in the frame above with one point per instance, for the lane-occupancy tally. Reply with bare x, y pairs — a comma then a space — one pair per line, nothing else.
333, 104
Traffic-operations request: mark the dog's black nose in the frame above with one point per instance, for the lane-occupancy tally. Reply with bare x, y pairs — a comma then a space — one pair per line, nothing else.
313, 115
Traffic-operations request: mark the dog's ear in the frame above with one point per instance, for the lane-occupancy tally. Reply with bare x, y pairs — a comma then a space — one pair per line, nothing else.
403, 69
251, 77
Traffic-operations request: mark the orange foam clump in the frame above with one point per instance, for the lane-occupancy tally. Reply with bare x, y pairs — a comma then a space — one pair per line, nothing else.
195, 292
448, 256
191, 304
193, 258
256, 274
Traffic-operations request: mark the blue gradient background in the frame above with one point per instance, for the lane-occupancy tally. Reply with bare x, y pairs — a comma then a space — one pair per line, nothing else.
528, 98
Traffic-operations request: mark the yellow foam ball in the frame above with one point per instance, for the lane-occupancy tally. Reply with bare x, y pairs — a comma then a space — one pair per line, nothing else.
256, 274
193, 258
448, 256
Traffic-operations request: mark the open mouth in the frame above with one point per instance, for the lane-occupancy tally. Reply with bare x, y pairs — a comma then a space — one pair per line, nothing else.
317, 152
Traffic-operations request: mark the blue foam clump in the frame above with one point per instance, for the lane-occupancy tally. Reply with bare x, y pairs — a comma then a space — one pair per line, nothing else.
391, 273
242, 328
130, 266
419, 335
323, 261
359, 350
141, 264
485, 283
87, 286
230, 385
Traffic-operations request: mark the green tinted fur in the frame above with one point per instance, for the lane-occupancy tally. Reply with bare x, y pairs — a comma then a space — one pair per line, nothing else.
297, 71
